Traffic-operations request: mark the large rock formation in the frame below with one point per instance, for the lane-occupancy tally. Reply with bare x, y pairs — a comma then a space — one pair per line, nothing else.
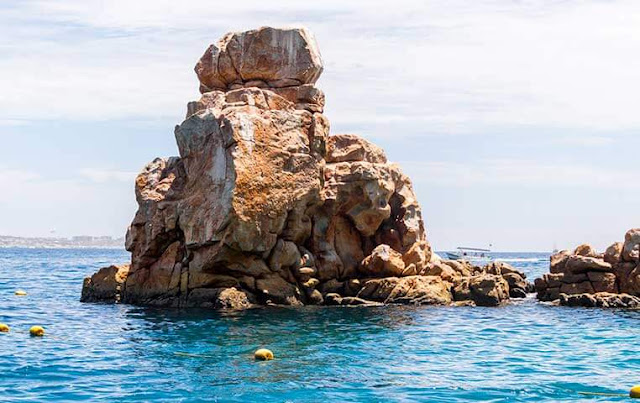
585, 277
264, 206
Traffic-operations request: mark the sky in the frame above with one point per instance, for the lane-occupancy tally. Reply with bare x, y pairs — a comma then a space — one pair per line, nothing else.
518, 121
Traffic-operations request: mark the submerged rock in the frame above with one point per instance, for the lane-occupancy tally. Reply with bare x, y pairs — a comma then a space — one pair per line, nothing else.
586, 278
264, 206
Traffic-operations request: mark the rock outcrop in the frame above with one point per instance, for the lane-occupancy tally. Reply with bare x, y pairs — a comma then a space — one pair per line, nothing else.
263, 206
587, 278
105, 285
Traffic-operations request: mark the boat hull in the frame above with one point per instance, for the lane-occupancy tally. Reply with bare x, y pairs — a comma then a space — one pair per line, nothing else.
469, 258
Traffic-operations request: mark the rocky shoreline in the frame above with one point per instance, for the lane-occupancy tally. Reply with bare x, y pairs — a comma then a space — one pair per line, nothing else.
264, 206
445, 282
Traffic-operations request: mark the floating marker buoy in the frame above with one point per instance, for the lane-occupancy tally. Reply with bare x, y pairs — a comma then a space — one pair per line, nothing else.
264, 355
21, 293
37, 331
634, 393
4, 328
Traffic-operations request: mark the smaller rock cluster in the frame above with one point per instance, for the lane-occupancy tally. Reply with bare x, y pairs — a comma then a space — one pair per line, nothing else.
585, 277
442, 282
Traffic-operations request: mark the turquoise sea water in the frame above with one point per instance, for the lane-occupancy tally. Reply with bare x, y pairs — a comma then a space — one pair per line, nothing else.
521, 352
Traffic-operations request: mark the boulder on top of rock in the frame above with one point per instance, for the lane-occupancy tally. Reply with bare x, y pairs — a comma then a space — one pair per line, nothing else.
613, 254
352, 148
559, 261
268, 57
585, 250
631, 248
583, 264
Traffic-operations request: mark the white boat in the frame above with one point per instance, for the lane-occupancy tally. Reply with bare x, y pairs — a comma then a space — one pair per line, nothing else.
470, 254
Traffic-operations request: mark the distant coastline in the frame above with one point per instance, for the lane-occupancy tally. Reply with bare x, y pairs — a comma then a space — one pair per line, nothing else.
76, 242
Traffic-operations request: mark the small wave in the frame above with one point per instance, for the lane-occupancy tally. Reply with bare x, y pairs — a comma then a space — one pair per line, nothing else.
522, 259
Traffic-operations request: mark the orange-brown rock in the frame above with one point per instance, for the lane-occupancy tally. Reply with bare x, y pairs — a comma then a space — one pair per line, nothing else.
417, 290
483, 290
264, 206
585, 250
105, 285
631, 246
587, 278
262, 57
613, 253
559, 261
383, 262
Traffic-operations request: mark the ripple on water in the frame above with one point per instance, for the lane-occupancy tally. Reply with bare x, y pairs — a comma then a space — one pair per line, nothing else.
522, 352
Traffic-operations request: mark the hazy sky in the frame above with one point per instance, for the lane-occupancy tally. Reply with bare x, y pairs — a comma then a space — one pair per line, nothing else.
519, 121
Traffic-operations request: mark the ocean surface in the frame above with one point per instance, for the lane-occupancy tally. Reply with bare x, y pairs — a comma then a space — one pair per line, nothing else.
521, 352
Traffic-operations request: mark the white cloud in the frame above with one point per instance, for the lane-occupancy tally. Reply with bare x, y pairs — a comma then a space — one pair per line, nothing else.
103, 175
451, 65
518, 173
584, 141
9, 178
12, 122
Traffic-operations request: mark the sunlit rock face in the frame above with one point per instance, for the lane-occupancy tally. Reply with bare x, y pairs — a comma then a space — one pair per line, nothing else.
265, 57
585, 277
264, 206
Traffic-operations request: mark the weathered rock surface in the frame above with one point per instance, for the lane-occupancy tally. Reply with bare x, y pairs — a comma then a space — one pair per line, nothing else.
586, 278
418, 290
263, 206
600, 300
105, 285
483, 290
265, 57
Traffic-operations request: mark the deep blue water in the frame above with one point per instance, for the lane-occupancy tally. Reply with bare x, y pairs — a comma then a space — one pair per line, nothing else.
521, 352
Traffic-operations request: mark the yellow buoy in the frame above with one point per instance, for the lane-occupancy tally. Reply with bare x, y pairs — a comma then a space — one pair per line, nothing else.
264, 355
635, 392
21, 293
4, 328
37, 331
